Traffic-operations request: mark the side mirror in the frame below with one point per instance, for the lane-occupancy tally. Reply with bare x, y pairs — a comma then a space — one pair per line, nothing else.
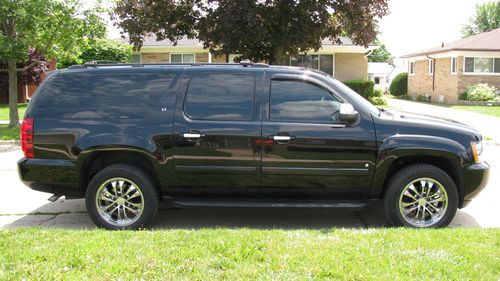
348, 113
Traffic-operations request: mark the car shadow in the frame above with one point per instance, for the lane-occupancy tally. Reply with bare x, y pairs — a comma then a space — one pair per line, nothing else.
71, 214
74, 216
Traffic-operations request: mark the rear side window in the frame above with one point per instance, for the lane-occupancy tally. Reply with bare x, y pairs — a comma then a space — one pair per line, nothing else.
222, 97
115, 96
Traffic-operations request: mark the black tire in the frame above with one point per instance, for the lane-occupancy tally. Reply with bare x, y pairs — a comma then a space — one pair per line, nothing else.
409, 174
143, 182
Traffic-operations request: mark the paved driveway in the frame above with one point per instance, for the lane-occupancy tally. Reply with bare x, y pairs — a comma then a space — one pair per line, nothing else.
22, 207
487, 125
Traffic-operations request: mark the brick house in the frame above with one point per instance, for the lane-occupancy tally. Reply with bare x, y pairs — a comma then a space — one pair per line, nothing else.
446, 71
344, 61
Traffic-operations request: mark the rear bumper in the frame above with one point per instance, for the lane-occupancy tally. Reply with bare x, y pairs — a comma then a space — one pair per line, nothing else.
53, 176
475, 179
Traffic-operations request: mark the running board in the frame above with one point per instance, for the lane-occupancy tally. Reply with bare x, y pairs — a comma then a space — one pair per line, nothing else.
269, 203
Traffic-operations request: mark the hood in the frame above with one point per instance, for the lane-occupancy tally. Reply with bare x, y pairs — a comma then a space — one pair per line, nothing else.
429, 122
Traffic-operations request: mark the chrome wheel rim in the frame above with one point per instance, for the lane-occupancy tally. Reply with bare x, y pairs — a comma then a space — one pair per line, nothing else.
423, 202
119, 202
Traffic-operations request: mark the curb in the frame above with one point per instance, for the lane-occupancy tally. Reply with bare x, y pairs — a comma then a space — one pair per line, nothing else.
491, 142
10, 142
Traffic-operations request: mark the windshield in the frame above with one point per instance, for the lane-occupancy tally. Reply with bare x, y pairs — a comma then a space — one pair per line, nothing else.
359, 101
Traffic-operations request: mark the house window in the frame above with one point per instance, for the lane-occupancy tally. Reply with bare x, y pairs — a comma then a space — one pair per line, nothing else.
182, 58
232, 57
481, 65
136, 58
431, 66
319, 62
377, 80
453, 67
411, 67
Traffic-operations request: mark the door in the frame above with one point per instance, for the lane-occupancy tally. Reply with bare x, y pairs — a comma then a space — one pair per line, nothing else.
218, 132
307, 151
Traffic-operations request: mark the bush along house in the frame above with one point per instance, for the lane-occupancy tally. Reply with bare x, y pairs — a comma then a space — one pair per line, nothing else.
444, 73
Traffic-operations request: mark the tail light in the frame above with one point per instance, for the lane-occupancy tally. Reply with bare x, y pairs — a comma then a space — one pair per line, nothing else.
27, 138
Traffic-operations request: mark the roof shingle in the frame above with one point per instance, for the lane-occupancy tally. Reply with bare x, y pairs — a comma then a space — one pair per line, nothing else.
486, 41
184, 41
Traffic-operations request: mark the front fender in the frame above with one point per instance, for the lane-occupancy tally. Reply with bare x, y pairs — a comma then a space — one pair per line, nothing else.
398, 147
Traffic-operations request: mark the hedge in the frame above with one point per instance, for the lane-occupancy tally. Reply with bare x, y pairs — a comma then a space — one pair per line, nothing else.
362, 87
399, 85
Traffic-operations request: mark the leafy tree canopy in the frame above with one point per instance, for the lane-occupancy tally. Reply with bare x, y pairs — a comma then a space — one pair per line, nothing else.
101, 50
381, 54
31, 76
486, 18
262, 30
55, 28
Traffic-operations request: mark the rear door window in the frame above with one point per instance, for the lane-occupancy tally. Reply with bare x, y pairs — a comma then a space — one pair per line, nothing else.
115, 96
221, 97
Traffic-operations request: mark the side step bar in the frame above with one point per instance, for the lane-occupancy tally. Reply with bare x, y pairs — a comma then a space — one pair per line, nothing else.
269, 203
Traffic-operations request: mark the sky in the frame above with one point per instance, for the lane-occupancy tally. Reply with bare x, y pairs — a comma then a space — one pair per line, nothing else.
412, 25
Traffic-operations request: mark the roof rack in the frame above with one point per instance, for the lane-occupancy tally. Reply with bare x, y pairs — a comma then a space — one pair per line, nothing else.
96, 64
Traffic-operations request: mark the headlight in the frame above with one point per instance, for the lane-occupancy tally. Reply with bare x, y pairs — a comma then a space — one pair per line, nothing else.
477, 150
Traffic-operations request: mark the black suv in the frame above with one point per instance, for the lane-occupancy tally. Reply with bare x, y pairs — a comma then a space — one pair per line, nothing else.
239, 135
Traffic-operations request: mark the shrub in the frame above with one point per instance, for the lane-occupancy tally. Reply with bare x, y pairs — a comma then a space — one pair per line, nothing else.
422, 98
362, 87
377, 100
479, 92
377, 93
399, 85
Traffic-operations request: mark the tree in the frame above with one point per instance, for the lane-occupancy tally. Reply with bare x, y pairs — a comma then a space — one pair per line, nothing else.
264, 30
101, 50
486, 18
31, 76
55, 28
381, 54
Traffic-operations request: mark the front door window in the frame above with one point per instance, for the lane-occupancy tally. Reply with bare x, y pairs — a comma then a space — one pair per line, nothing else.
296, 101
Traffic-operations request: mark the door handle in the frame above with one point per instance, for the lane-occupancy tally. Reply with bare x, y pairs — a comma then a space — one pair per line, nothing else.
191, 135
282, 138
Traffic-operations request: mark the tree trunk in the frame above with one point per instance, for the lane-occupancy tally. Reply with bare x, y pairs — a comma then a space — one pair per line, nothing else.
13, 114
277, 56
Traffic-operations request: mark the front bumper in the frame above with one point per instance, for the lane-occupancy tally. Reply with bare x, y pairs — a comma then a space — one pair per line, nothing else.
50, 175
475, 178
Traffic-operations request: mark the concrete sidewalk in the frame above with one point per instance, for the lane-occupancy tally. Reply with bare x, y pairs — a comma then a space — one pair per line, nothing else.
23, 207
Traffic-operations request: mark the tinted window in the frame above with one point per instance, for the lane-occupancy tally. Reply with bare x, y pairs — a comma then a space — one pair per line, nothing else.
130, 95
221, 97
294, 101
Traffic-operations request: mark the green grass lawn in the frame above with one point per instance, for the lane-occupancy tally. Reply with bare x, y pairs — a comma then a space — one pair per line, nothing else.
4, 111
488, 110
249, 254
7, 133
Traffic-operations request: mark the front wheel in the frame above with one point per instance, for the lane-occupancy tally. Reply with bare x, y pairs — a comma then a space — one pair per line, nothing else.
121, 197
422, 196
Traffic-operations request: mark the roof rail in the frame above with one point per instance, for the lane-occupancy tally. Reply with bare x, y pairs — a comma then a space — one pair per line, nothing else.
95, 64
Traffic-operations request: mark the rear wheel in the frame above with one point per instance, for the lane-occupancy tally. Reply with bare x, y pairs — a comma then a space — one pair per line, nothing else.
421, 195
121, 197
